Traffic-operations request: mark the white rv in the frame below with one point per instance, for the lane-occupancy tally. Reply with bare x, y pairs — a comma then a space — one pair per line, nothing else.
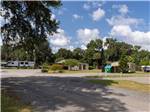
26, 63
20, 64
12, 63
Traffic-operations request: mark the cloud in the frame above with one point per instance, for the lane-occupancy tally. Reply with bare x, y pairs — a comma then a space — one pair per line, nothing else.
86, 6
53, 16
76, 16
93, 4
71, 48
98, 14
83, 47
97, 4
122, 28
122, 20
123, 9
126, 34
2, 21
59, 39
86, 35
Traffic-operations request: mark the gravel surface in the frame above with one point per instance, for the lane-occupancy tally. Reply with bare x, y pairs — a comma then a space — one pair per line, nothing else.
71, 94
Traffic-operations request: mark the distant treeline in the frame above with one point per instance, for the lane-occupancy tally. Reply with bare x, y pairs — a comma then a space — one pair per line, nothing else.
94, 55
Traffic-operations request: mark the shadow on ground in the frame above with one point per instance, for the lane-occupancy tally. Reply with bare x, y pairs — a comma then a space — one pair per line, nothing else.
67, 94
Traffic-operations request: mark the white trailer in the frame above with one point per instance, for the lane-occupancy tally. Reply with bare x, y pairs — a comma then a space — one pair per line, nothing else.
26, 63
12, 63
20, 64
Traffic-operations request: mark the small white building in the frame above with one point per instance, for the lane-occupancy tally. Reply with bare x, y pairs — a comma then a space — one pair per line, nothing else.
81, 66
116, 67
132, 67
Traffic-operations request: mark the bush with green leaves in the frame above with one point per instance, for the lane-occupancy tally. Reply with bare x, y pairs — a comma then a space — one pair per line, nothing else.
45, 67
91, 67
57, 68
123, 64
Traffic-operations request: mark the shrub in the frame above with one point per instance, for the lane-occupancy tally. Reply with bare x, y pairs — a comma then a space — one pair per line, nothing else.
91, 67
45, 67
123, 64
44, 70
57, 68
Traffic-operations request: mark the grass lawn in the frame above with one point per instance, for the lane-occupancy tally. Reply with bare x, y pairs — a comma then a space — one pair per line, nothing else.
12, 104
123, 84
111, 75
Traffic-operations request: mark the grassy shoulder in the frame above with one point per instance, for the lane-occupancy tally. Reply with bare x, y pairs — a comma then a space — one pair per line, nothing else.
113, 75
12, 104
123, 84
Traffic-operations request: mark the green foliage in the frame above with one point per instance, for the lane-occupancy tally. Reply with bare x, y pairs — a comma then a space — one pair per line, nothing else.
95, 44
25, 12
28, 26
123, 64
130, 59
144, 57
45, 67
43, 55
93, 52
63, 53
97, 56
145, 62
91, 67
78, 53
56, 67
116, 49
71, 62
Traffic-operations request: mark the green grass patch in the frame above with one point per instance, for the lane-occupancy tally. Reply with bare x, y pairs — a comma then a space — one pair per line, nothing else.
12, 104
123, 84
113, 75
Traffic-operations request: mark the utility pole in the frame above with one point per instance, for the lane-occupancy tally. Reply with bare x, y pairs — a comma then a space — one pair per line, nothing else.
34, 56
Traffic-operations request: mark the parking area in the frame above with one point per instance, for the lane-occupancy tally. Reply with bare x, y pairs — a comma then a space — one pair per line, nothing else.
68, 93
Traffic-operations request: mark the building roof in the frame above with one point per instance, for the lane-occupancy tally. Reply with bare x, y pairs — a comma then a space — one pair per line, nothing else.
84, 63
145, 66
115, 63
61, 61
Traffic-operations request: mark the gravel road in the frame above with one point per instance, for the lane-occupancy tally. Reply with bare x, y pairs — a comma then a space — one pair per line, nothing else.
71, 94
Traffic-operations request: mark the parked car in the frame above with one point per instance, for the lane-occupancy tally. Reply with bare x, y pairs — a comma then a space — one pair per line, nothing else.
146, 68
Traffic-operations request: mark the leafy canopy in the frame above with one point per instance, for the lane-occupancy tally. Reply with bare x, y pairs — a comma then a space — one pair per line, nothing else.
28, 19
71, 62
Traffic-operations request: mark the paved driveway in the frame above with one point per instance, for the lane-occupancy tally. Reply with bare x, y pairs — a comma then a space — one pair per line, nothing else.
74, 94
